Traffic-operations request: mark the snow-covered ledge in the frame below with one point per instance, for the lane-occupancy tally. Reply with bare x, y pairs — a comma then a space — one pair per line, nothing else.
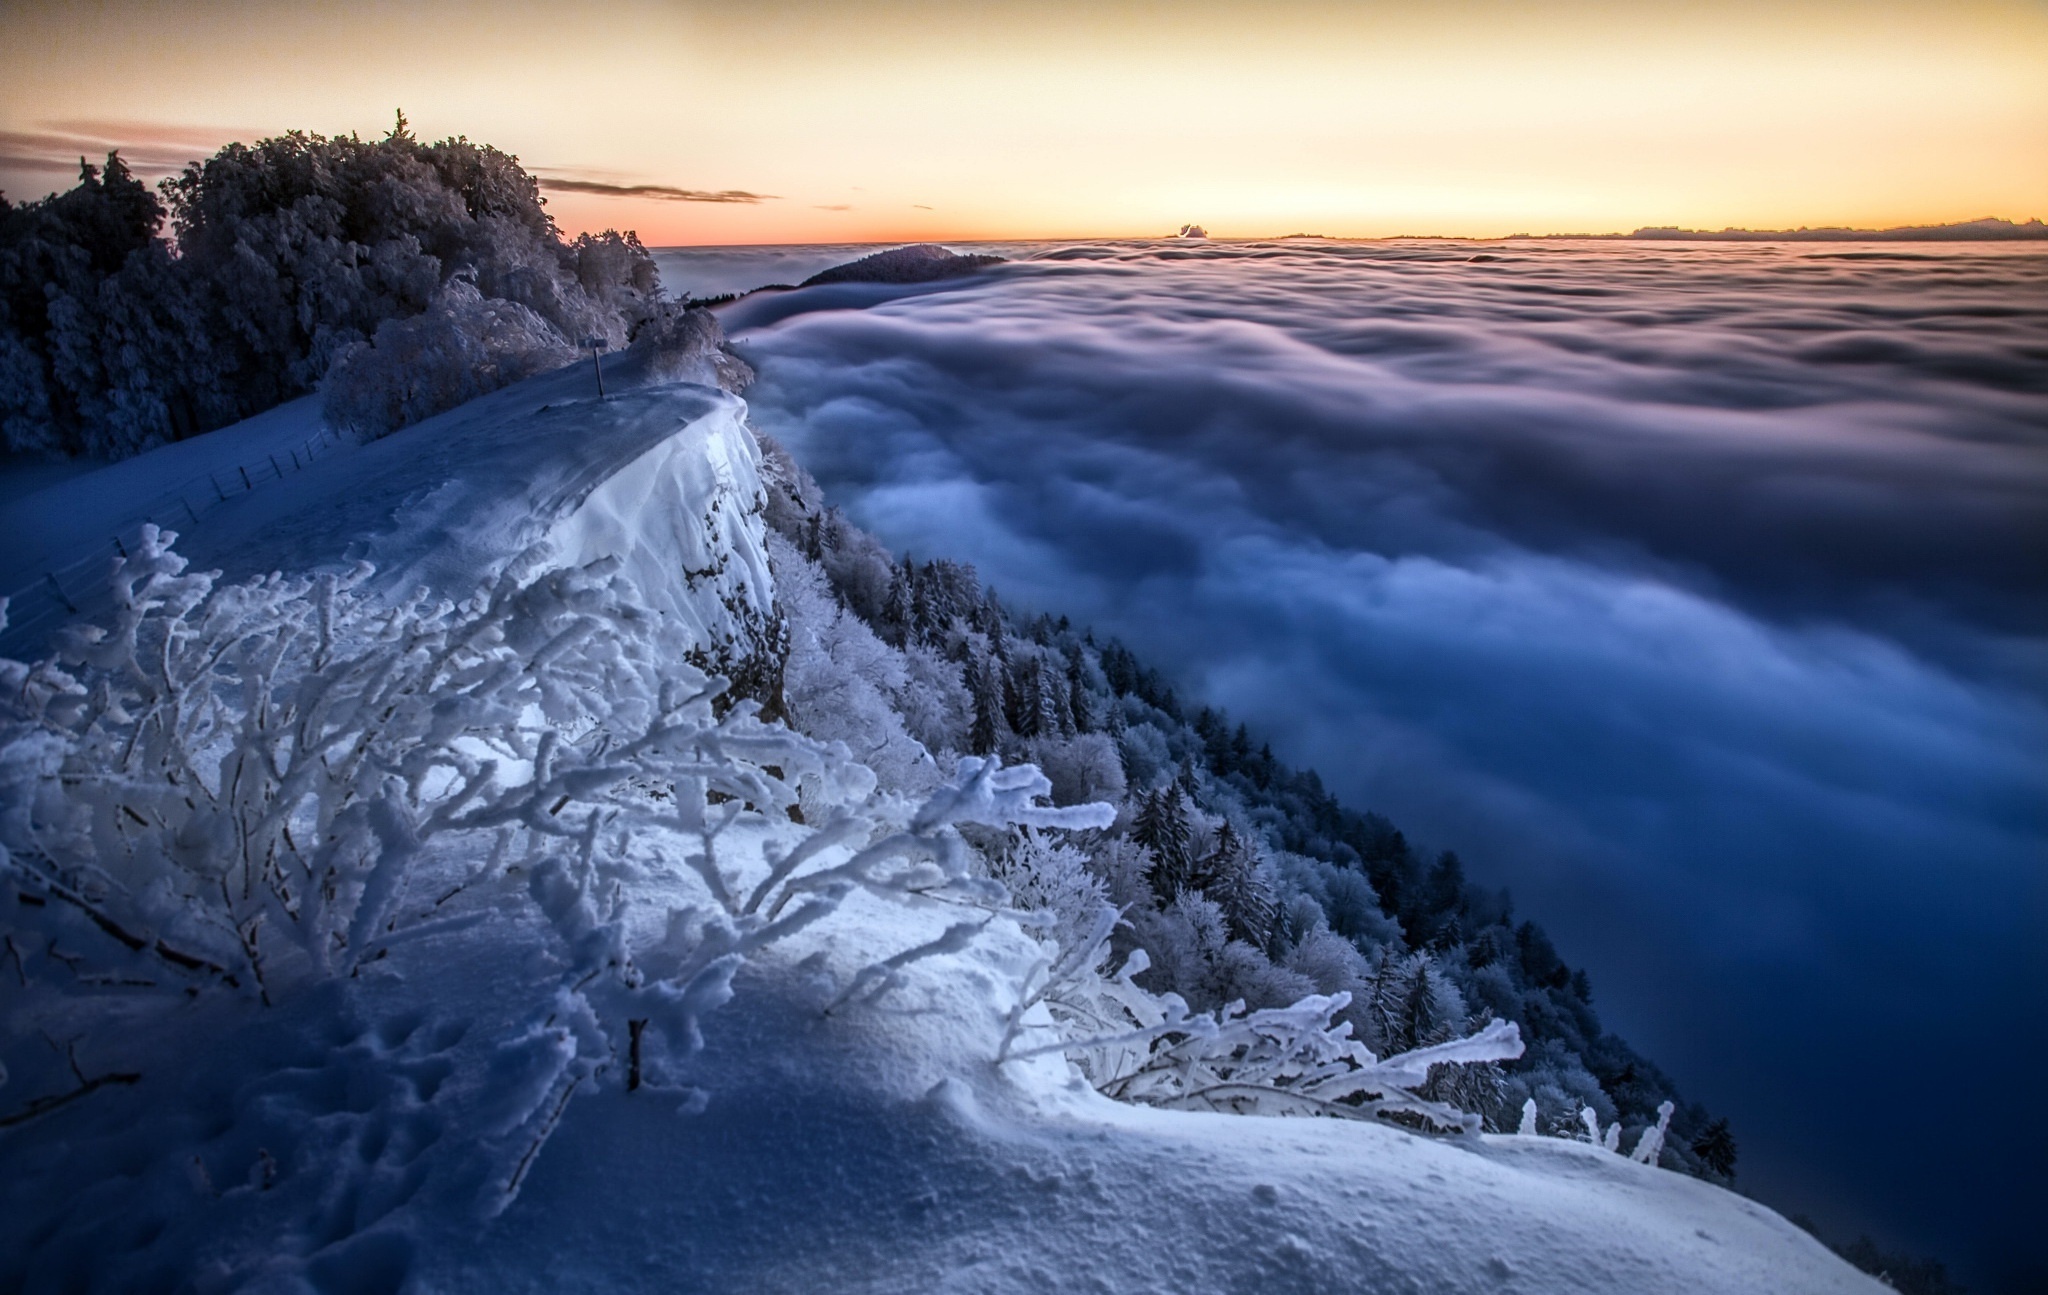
685, 521
662, 475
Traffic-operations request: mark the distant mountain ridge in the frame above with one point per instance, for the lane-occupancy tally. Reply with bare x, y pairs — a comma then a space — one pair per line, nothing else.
1989, 229
918, 263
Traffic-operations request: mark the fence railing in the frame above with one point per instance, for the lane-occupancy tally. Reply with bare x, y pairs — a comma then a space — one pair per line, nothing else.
79, 587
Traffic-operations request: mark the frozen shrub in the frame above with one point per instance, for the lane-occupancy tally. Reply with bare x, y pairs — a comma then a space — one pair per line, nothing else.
1137, 1046
264, 789
1082, 767
462, 346
688, 346
1053, 878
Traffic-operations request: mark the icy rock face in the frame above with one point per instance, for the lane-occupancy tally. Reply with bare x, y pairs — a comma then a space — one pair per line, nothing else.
685, 521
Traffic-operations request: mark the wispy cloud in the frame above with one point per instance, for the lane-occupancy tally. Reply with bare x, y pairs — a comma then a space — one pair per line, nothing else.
659, 192
164, 134
147, 147
920, 206
834, 206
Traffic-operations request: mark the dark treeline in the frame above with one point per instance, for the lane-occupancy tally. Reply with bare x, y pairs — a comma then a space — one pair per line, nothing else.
129, 317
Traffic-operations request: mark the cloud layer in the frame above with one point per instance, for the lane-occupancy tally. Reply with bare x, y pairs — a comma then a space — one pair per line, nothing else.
1696, 596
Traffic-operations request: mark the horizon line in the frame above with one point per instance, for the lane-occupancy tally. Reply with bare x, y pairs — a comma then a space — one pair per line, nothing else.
1984, 229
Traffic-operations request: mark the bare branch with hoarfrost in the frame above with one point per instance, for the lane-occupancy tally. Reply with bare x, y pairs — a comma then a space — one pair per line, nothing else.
1137, 1046
249, 785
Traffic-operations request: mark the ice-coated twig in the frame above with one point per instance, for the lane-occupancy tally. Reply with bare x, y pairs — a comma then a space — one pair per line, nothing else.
1651, 1144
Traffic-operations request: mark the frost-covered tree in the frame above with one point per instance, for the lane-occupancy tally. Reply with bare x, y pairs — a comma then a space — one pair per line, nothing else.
1161, 826
1083, 767
105, 348
286, 256
1230, 874
840, 681
985, 733
1079, 707
937, 708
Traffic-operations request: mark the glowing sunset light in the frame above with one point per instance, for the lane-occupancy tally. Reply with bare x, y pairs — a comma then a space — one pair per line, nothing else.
793, 122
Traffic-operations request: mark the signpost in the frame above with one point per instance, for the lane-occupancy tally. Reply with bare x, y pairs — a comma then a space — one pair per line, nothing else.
597, 345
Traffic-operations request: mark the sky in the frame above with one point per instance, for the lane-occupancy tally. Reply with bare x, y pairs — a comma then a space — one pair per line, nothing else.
784, 121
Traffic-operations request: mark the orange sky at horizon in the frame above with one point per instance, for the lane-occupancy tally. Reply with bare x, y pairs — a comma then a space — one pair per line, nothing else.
909, 119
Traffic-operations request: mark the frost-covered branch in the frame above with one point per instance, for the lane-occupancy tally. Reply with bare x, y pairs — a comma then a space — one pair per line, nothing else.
1137, 1046
266, 786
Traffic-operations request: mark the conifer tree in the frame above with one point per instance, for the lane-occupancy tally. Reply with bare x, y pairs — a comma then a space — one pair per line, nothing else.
1162, 827
923, 624
896, 617
1419, 1023
1077, 693
1051, 717
1715, 1146
936, 583
1230, 876
984, 736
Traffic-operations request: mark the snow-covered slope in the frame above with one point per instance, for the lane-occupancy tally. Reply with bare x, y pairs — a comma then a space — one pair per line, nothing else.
49, 526
662, 475
820, 1140
886, 1152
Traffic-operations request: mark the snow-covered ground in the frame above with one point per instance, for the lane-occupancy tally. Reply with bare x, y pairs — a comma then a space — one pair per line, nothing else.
51, 525
887, 1153
343, 1139
441, 504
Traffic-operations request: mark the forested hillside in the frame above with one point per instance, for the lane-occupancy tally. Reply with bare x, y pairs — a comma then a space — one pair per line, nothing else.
1240, 877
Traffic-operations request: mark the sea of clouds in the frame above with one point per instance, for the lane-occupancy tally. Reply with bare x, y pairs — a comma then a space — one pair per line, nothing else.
1696, 594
